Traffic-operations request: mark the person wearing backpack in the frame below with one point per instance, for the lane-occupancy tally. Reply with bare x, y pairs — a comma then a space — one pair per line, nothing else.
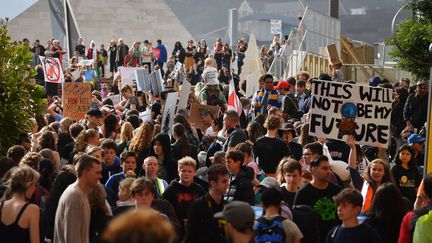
237, 219
349, 204
272, 227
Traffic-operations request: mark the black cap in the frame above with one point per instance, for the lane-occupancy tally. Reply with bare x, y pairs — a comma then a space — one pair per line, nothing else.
94, 112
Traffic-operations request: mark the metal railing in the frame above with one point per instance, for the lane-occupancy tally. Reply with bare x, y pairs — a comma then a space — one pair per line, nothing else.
315, 31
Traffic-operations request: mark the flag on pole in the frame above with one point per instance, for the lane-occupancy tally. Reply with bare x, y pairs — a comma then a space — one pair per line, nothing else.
233, 100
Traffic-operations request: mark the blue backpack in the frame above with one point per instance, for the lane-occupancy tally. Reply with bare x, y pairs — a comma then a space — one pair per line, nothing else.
270, 231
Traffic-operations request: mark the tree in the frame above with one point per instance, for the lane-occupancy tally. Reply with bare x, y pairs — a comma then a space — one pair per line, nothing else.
415, 36
20, 98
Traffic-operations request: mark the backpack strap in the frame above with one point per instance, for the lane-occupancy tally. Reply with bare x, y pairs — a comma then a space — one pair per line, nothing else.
417, 214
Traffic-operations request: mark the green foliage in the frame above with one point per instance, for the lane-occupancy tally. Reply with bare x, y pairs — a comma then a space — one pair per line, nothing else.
415, 36
20, 98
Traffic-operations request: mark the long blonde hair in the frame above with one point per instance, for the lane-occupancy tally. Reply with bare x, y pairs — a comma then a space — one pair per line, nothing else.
126, 132
83, 138
142, 138
18, 179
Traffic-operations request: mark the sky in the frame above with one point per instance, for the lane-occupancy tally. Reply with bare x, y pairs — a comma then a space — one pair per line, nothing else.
11, 8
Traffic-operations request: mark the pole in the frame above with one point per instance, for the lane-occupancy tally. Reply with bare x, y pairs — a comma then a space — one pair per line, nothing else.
428, 146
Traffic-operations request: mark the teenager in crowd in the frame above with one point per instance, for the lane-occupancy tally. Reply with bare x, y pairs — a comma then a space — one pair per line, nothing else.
406, 174
19, 220
387, 211
183, 192
143, 192
202, 226
349, 204
269, 149
319, 193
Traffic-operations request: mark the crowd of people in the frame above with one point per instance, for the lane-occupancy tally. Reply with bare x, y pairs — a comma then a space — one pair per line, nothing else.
253, 176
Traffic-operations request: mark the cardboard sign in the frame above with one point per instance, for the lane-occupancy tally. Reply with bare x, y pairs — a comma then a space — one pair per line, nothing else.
195, 113
76, 100
127, 75
169, 112
53, 70
332, 54
339, 109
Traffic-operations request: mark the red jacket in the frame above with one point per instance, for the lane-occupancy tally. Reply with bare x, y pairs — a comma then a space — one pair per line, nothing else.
135, 62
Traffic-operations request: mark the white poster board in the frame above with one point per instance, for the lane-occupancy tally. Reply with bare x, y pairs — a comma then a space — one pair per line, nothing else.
127, 75
169, 112
339, 109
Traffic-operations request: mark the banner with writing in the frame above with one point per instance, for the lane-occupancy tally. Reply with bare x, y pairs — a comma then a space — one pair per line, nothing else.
76, 100
339, 109
196, 110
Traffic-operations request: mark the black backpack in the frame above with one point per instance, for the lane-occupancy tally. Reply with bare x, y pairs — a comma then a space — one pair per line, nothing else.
307, 220
270, 231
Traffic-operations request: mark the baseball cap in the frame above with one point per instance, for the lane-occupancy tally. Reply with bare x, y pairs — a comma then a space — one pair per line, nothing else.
283, 84
415, 138
94, 112
239, 214
269, 182
374, 81
421, 83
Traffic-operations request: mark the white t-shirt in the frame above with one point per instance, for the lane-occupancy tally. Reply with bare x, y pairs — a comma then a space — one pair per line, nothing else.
210, 76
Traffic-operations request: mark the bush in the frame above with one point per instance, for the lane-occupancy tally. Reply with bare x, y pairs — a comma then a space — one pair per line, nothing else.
20, 98
415, 36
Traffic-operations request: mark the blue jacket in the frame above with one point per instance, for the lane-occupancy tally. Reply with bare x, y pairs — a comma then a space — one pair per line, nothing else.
163, 53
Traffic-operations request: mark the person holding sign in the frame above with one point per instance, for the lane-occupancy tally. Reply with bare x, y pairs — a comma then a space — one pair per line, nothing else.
376, 173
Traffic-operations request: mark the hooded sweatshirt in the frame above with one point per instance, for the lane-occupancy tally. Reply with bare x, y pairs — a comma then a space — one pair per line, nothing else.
181, 197
167, 167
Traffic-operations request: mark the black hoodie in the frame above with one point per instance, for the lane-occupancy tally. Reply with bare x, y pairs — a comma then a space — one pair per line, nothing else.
181, 197
168, 168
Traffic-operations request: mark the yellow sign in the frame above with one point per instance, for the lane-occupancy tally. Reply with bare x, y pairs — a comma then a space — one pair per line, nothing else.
428, 162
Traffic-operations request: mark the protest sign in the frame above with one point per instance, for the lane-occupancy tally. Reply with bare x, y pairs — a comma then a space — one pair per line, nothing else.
85, 62
176, 70
195, 113
127, 75
156, 52
169, 112
159, 80
275, 26
184, 95
52, 69
339, 109
142, 79
76, 100
332, 54
153, 84
114, 98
